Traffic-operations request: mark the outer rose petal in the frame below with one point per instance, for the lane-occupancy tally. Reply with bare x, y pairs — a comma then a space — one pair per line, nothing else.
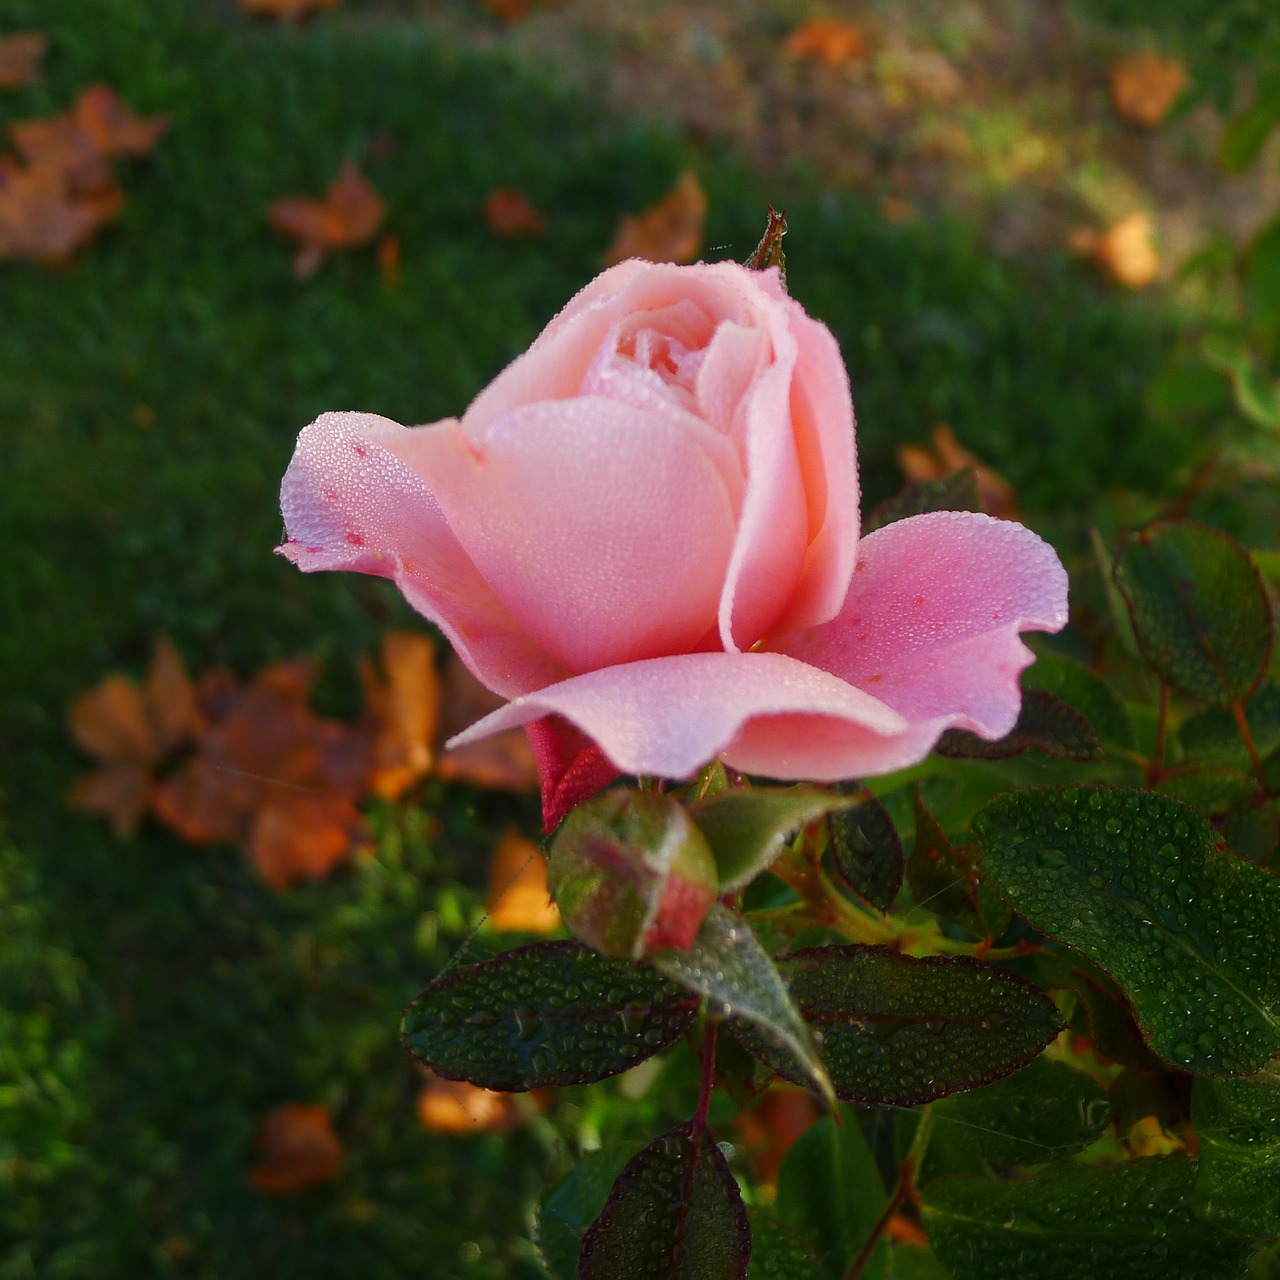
931, 621
350, 503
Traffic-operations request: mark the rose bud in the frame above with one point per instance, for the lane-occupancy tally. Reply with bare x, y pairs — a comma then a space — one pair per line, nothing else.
632, 874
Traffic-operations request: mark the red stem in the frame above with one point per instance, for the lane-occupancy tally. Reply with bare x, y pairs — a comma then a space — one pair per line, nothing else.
900, 1193
1242, 723
1155, 771
708, 1079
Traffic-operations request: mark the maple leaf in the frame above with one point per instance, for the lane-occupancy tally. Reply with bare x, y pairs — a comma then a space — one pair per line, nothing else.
670, 231
509, 212
504, 762
519, 900
290, 9
296, 1148
1144, 86
42, 219
349, 216
829, 41
456, 1106
131, 730
403, 705
20, 57
1124, 251
949, 456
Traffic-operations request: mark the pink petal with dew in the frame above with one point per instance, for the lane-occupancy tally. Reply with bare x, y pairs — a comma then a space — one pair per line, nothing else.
604, 530
669, 716
350, 503
930, 624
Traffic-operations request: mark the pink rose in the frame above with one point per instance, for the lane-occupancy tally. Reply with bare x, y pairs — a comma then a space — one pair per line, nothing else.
645, 531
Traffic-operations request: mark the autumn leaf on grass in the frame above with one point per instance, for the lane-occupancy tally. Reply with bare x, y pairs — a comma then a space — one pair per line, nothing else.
1124, 251
131, 730
349, 216
827, 40
272, 774
1144, 86
296, 1149
504, 761
292, 9
403, 705
509, 212
948, 456
519, 900
42, 219
20, 57
671, 231
455, 1106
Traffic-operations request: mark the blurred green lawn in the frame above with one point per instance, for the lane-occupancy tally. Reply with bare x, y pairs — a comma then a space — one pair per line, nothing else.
156, 999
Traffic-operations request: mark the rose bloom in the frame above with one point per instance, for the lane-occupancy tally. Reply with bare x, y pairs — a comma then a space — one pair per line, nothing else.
644, 534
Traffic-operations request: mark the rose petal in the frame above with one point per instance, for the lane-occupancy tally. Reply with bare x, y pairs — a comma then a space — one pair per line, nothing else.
350, 503
931, 621
603, 529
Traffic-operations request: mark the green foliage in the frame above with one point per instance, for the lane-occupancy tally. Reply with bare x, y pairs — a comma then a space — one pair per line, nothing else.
867, 852
1078, 687
1045, 724
1140, 884
1075, 1222
1238, 1123
568, 1210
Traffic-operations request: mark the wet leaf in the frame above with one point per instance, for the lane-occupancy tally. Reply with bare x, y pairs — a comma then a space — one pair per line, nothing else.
519, 900
867, 852
20, 58
350, 215
1144, 86
1213, 735
1043, 1112
296, 1149
729, 968
1199, 610
1238, 1124
1077, 1221
1090, 695
670, 231
675, 1213
567, 1210
1211, 788
778, 1252
898, 1031
509, 212
1045, 724
828, 41
1140, 884
549, 1013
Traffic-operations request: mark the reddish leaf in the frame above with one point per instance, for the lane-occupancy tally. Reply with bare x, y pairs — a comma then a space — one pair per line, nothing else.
349, 216
42, 219
119, 792
829, 41
509, 212
297, 1149
571, 768
671, 231
1144, 86
20, 58
769, 1130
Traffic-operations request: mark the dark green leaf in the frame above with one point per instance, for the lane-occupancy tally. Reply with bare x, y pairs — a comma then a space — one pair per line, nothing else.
829, 1190
1246, 135
1213, 735
867, 852
897, 1030
550, 1013
729, 968
1252, 829
1045, 1111
1211, 788
675, 1213
1045, 724
1076, 1222
1262, 280
569, 1209
778, 1252
1199, 610
748, 829
1139, 883
956, 492
915, 1262
1238, 1124
1078, 687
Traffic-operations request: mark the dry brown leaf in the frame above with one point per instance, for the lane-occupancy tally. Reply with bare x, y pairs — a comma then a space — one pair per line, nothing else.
455, 1106
671, 231
118, 792
296, 1149
350, 215
829, 41
1144, 86
949, 456
509, 212
42, 219
1124, 251
403, 703
518, 900
20, 57
302, 835
292, 9
503, 762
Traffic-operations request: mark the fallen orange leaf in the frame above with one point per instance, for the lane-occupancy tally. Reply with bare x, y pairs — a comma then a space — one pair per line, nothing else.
297, 1149
518, 900
349, 216
1144, 86
455, 1106
1124, 251
42, 219
503, 762
404, 706
670, 231
285, 8
769, 1129
509, 212
20, 58
949, 456
827, 40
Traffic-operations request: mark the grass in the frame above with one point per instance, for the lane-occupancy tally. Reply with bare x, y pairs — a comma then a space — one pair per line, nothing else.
158, 999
